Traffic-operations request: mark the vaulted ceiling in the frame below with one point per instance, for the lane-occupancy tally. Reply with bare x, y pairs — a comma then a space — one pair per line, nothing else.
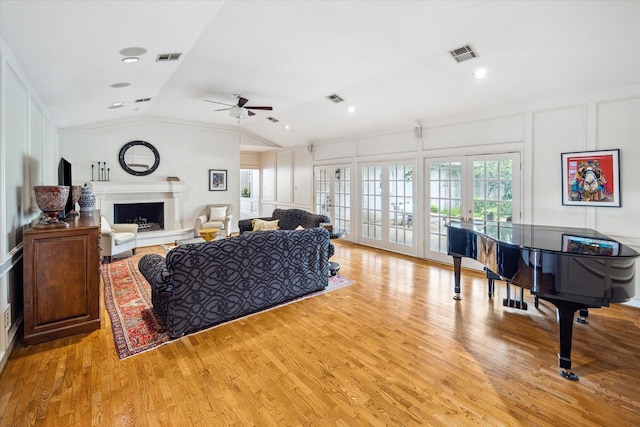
388, 59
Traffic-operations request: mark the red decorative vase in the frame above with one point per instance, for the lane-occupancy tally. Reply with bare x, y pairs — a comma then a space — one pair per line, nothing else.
51, 199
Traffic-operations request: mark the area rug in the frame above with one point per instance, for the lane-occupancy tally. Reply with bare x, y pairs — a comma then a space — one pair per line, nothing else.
127, 295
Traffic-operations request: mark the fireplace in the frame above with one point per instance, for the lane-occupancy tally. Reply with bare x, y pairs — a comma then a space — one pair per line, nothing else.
148, 216
111, 193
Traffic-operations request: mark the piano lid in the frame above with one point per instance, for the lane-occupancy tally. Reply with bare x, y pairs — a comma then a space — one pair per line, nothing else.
583, 241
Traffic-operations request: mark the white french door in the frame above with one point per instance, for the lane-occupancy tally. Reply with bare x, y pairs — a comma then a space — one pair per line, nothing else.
481, 187
387, 208
333, 194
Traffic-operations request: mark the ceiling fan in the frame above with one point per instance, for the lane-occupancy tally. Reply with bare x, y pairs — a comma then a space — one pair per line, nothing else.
241, 110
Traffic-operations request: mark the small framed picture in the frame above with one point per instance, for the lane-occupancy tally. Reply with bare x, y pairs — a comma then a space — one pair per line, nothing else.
591, 178
217, 180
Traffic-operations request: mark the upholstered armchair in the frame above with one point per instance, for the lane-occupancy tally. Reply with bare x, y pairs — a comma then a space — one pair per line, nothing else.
117, 238
215, 216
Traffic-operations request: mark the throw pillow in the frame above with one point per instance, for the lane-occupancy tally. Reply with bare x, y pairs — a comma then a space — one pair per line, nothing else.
299, 227
217, 213
262, 225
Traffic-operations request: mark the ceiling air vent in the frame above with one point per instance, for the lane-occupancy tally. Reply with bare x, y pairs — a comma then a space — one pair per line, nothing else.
273, 119
168, 57
335, 98
142, 100
463, 53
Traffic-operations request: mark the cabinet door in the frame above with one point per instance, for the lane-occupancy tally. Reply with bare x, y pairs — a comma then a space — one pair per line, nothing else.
61, 279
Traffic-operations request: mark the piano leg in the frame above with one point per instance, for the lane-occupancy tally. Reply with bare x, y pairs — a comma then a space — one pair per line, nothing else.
566, 310
457, 265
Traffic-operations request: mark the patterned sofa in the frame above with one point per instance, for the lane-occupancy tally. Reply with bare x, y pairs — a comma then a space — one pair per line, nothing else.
289, 220
200, 285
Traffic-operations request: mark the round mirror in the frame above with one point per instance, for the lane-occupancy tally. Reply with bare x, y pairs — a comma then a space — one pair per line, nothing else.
139, 158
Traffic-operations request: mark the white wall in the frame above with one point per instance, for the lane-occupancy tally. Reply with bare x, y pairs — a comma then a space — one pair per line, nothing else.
186, 150
27, 142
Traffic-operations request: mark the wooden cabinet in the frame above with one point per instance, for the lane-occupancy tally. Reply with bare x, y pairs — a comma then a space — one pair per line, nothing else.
62, 279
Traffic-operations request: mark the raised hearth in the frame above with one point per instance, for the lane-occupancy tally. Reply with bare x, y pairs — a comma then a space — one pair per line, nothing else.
169, 193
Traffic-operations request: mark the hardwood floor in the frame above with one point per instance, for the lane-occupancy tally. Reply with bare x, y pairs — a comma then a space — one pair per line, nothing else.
392, 349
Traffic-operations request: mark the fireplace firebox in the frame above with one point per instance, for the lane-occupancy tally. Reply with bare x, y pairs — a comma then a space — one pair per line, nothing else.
148, 216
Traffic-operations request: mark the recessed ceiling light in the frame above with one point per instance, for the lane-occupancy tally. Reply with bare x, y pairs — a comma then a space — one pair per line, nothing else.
287, 127
480, 74
352, 109
117, 105
133, 51
122, 84
130, 59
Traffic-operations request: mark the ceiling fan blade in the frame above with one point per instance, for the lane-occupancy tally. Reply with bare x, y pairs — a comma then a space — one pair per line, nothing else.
224, 109
242, 101
259, 108
221, 103
251, 113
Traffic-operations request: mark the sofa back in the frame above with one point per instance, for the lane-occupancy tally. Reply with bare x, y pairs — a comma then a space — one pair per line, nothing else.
290, 219
224, 279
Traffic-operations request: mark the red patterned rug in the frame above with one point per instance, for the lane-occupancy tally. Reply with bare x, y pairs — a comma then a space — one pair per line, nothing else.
127, 295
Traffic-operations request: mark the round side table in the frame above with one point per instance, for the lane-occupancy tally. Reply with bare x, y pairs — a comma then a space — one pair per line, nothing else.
208, 234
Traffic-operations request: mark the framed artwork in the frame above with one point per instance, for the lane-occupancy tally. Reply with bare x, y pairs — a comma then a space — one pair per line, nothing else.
588, 246
591, 178
217, 180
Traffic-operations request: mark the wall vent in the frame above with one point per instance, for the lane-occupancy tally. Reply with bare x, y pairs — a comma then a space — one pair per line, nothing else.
463, 53
273, 119
142, 100
168, 57
335, 98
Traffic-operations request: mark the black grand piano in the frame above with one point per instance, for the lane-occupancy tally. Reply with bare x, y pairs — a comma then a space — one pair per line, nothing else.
572, 268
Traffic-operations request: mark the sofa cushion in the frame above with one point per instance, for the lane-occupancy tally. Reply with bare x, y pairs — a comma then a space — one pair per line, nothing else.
262, 225
213, 224
121, 238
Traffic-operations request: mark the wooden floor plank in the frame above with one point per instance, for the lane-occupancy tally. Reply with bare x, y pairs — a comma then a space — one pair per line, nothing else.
392, 349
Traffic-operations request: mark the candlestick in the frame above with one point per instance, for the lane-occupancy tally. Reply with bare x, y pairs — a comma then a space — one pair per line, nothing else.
108, 170
92, 172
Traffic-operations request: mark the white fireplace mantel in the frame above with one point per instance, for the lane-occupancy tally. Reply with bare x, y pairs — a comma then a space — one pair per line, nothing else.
109, 193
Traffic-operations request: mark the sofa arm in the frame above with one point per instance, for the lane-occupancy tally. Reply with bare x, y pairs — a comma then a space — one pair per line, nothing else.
154, 268
199, 221
124, 228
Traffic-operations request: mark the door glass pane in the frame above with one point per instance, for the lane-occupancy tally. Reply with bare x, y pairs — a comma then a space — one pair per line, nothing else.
492, 185
445, 202
371, 216
341, 216
332, 186
400, 211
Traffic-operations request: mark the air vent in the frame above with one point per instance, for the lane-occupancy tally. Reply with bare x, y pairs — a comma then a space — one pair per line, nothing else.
335, 98
168, 57
463, 53
273, 119
142, 100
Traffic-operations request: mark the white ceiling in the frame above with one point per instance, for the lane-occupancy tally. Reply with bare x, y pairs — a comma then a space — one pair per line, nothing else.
389, 59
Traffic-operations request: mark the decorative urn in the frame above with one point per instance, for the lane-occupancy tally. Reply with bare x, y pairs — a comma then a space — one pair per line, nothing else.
51, 199
87, 199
